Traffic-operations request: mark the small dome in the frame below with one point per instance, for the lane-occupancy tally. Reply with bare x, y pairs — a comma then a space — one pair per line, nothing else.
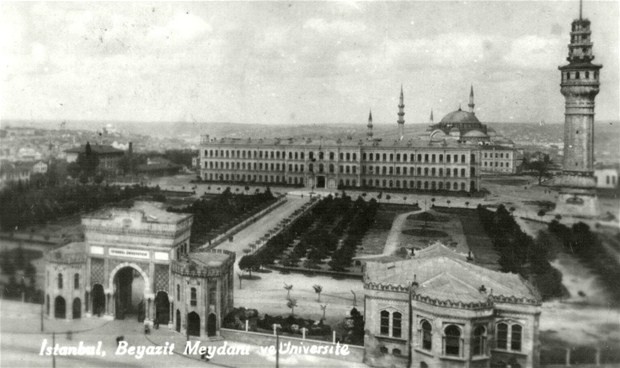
459, 117
475, 134
437, 135
454, 130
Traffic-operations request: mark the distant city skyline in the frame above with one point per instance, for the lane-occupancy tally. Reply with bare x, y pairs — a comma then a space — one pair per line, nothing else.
296, 62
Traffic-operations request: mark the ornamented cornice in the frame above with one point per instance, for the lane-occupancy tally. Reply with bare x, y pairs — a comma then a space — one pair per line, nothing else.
448, 303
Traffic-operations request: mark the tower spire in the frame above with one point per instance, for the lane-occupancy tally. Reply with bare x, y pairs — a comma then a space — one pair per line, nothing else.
432, 120
401, 114
580, 9
471, 99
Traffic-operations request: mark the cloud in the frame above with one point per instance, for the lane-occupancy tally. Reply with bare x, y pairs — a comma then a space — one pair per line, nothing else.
337, 26
182, 27
535, 52
443, 50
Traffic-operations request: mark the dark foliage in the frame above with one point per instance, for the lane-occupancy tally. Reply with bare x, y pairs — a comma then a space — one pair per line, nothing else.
214, 215
587, 246
26, 206
519, 253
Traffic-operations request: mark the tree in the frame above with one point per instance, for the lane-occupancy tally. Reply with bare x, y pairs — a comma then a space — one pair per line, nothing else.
467, 204
247, 263
541, 213
288, 290
318, 289
323, 308
292, 303
88, 161
448, 201
541, 167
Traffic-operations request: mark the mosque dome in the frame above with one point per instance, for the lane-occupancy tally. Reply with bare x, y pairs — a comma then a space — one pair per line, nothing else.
460, 117
474, 134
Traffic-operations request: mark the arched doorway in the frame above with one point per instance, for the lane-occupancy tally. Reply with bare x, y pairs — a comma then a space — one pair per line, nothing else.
98, 300
129, 293
211, 325
162, 308
77, 308
178, 320
60, 310
193, 324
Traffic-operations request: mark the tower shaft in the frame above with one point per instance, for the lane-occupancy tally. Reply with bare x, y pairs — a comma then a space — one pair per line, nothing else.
579, 85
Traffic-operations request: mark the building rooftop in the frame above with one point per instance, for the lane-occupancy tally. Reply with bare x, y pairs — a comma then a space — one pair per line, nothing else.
153, 212
96, 148
444, 274
351, 143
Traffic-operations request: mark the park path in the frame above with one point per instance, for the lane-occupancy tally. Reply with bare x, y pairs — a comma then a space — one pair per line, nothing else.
392, 242
255, 231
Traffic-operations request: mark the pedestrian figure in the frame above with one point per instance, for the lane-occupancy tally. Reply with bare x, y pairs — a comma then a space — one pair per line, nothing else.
119, 339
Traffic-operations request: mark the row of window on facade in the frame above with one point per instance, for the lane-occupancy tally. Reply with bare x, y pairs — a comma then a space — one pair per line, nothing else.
497, 155
497, 164
379, 183
508, 336
60, 283
579, 75
193, 300
343, 169
342, 156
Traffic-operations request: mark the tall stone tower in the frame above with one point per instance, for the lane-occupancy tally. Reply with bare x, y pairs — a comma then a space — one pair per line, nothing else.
580, 85
369, 127
401, 115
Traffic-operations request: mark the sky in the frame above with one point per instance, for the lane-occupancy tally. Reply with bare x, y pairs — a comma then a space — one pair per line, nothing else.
296, 62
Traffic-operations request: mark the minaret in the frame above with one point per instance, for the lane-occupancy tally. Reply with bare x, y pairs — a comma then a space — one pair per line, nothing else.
401, 115
432, 120
580, 85
369, 130
471, 100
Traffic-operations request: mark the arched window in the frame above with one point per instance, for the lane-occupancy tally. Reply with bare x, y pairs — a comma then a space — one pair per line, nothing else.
515, 338
396, 324
452, 340
502, 336
479, 341
396, 352
385, 323
193, 297
426, 335
178, 292
60, 280
76, 281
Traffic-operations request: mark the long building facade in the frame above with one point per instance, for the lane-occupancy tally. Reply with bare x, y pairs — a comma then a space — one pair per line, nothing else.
447, 159
330, 164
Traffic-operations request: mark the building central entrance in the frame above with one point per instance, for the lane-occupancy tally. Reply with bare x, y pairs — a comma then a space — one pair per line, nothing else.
129, 299
320, 182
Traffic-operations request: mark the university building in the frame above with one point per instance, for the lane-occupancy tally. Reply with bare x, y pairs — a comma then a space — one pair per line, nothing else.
135, 263
438, 309
449, 158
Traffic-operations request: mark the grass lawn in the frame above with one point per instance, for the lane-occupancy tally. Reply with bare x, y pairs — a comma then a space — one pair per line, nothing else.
474, 235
